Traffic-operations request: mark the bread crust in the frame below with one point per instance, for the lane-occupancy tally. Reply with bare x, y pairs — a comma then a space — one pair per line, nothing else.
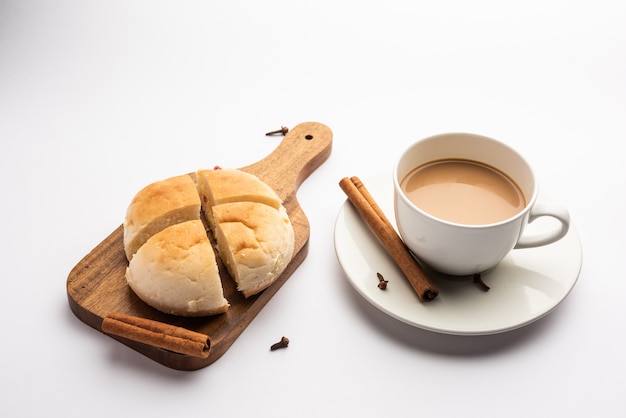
176, 272
255, 241
226, 185
172, 264
157, 206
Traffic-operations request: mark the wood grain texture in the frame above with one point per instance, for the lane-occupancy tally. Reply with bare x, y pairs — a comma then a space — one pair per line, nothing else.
97, 286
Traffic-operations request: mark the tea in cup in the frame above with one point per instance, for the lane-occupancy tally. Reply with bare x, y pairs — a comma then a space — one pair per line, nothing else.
462, 203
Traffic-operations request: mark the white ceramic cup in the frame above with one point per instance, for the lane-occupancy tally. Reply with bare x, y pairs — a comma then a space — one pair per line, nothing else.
458, 249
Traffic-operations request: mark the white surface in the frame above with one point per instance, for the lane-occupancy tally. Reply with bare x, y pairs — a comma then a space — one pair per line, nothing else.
97, 99
525, 286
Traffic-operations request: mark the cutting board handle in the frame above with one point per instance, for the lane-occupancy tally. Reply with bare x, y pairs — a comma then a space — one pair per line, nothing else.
302, 151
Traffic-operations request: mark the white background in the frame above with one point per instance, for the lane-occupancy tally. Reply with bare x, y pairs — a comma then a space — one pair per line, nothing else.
100, 98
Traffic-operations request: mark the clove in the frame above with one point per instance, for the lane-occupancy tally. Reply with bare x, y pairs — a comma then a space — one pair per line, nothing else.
382, 283
480, 282
283, 343
283, 131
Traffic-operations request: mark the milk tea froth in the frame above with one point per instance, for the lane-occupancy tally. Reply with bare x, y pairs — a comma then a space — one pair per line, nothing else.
463, 192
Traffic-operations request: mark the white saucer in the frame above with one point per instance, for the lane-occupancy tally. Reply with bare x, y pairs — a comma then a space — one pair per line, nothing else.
527, 285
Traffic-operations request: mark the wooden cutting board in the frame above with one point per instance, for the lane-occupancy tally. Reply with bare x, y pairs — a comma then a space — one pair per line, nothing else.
96, 286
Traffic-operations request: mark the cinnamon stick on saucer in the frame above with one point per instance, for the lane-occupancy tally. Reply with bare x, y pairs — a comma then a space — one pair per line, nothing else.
158, 334
371, 213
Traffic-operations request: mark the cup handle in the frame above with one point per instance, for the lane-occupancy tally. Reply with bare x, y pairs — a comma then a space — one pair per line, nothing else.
553, 210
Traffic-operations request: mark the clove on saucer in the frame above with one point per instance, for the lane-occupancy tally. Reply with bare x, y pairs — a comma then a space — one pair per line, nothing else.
382, 283
477, 278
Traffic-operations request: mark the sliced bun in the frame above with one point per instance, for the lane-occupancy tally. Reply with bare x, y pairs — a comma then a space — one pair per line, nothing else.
228, 185
157, 206
255, 241
175, 271
172, 263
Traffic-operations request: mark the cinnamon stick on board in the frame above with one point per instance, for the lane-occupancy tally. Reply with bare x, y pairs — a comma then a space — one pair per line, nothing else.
371, 213
158, 334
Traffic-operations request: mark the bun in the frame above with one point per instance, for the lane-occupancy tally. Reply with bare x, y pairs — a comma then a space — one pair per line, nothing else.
255, 242
157, 206
172, 264
230, 185
175, 271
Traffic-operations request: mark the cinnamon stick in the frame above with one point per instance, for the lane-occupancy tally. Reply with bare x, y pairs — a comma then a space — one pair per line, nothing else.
158, 334
378, 223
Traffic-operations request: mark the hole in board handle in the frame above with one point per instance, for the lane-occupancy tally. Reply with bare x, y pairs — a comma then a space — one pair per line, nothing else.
308, 137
